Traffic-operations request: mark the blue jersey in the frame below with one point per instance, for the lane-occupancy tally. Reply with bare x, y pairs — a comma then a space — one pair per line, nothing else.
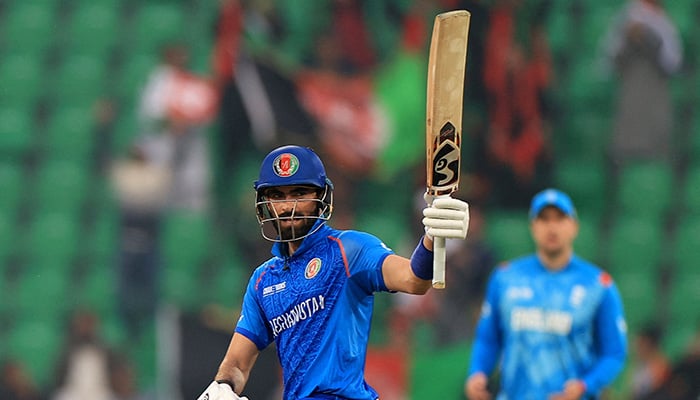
317, 307
547, 327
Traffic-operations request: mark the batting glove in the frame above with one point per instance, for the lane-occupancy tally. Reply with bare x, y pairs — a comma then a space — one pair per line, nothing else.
220, 391
446, 217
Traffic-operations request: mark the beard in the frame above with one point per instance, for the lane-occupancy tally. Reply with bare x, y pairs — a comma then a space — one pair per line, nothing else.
554, 252
291, 229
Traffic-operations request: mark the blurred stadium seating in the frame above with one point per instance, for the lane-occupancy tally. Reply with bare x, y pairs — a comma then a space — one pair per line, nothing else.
58, 221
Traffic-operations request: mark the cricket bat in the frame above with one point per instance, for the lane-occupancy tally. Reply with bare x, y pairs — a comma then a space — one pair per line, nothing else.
446, 70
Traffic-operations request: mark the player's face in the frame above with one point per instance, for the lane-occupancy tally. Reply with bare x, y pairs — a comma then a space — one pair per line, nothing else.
293, 205
554, 232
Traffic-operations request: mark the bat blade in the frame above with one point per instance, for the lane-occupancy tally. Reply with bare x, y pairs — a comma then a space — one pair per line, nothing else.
445, 92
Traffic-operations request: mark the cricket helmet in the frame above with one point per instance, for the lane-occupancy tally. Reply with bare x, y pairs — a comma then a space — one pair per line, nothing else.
292, 166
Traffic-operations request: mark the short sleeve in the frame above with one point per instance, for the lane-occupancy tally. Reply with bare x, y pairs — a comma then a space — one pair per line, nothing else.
365, 254
252, 323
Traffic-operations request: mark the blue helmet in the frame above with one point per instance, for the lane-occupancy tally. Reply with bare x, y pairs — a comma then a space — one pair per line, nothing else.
292, 166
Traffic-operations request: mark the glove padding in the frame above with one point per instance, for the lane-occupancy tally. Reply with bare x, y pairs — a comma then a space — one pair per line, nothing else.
219, 391
446, 217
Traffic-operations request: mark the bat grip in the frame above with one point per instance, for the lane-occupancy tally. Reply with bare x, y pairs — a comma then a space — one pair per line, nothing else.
439, 262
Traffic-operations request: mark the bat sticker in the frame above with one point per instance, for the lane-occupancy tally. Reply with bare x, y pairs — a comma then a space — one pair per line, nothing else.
446, 158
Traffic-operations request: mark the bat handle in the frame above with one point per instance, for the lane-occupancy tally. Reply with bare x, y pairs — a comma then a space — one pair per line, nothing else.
439, 262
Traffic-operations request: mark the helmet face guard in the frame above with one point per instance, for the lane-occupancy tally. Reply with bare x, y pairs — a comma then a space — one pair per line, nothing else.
292, 166
271, 222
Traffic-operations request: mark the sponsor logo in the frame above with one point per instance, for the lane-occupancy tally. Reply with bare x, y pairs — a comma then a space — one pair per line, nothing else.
312, 268
523, 292
551, 196
269, 290
286, 165
538, 320
446, 158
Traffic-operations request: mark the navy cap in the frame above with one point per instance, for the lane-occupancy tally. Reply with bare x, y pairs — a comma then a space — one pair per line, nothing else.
555, 198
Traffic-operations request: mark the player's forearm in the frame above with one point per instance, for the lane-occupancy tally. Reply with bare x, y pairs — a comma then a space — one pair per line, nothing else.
238, 362
233, 376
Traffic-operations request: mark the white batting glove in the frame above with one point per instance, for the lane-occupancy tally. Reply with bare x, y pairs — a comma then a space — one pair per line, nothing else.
446, 217
219, 391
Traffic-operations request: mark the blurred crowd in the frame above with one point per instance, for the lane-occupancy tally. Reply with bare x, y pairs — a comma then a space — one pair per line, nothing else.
348, 80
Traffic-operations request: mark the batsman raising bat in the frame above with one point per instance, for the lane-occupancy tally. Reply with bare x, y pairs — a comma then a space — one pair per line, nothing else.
314, 297
446, 69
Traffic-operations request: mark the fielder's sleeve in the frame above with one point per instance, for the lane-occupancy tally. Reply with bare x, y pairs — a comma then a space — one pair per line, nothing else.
487, 343
610, 339
252, 323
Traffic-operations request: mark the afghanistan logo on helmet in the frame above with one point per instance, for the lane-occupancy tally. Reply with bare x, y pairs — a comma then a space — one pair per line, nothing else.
286, 165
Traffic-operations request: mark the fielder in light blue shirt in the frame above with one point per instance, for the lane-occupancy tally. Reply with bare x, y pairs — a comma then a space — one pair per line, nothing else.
552, 323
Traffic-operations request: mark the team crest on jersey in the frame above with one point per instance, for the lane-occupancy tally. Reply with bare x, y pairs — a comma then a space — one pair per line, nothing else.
285, 165
605, 279
312, 268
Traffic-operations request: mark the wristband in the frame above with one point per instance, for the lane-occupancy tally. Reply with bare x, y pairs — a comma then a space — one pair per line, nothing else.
422, 262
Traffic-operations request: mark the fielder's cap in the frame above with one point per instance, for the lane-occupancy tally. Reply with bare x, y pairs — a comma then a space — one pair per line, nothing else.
555, 198
292, 165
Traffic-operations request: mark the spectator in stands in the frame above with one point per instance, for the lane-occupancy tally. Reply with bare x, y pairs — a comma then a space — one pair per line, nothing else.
124, 383
202, 336
352, 125
176, 107
105, 115
232, 137
475, 91
258, 109
683, 382
258, 98
352, 34
652, 367
16, 384
517, 73
85, 366
644, 50
141, 188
